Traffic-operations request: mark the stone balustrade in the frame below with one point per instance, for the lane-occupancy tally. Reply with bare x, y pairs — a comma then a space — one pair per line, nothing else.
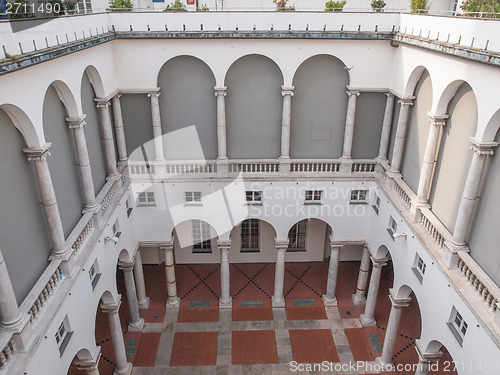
107, 193
315, 166
430, 224
251, 166
7, 352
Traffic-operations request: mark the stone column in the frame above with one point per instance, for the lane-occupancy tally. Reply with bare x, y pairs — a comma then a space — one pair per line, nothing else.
9, 311
279, 276
425, 360
119, 129
329, 299
349, 123
386, 127
136, 322
392, 330
48, 196
286, 117
172, 299
220, 93
143, 299
430, 155
90, 365
76, 124
225, 301
107, 136
471, 189
359, 298
122, 367
368, 317
157, 130
399, 141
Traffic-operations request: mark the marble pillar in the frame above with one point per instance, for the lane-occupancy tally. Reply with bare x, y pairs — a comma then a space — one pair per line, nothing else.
359, 298
329, 299
225, 301
157, 130
399, 140
143, 299
385, 136
368, 317
107, 136
136, 322
172, 298
278, 300
119, 129
349, 124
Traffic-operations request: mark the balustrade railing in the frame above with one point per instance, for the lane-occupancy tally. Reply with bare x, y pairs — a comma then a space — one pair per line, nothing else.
363, 166
191, 167
400, 190
431, 228
315, 166
109, 190
7, 352
253, 166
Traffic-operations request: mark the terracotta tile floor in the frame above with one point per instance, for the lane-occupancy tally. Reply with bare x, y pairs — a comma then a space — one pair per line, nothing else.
208, 340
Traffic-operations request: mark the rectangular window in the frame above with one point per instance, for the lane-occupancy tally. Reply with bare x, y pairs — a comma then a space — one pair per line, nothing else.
253, 197
297, 237
419, 267
192, 197
250, 236
146, 198
201, 237
63, 335
457, 325
393, 227
376, 205
313, 197
116, 230
358, 196
94, 274
128, 207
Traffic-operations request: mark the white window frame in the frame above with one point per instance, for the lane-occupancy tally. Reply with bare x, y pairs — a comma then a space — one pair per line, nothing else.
63, 335
419, 268
116, 229
128, 206
359, 196
253, 197
313, 197
297, 237
146, 198
376, 204
457, 325
250, 229
192, 197
202, 238
94, 274
393, 227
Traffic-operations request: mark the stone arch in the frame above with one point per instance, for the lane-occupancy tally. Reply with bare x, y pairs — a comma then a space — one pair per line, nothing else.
413, 79
404, 291
254, 108
67, 98
329, 227
252, 54
446, 96
492, 127
95, 80
125, 256
108, 297
24, 124
187, 99
319, 108
381, 252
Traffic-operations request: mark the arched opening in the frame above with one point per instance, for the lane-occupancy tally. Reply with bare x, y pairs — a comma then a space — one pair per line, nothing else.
254, 108
445, 363
319, 108
187, 98
84, 361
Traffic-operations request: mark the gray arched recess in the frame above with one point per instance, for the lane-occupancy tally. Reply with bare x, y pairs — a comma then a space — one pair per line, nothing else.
93, 135
417, 132
188, 98
24, 239
62, 162
484, 234
137, 122
253, 108
319, 108
454, 157
370, 107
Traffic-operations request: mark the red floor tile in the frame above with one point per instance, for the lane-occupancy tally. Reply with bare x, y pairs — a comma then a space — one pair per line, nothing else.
316, 312
198, 314
155, 313
194, 349
313, 346
360, 344
145, 352
249, 347
245, 313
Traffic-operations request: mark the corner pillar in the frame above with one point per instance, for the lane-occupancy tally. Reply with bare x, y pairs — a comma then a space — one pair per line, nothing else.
172, 299
399, 141
136, 322
368, 317
225, 301
359, 298
143, 299
329, 299
278, 300
385, 136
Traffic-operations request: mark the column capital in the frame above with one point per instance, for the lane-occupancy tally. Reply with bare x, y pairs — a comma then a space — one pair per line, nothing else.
37, 153
398, 302
155, 92
483, 147
113, 307
437, 120
389, 94
407, 100
102, 102
223, 245
378, 263
287, 90
220, 90
334, 245
127, 265
167, 246
282, 245
424, 356
350, 92
76, 122
117, 96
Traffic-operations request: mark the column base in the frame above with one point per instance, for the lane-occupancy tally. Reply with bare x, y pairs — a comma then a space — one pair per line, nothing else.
126, 371
346, 165
358, 300
388, 367
367, 322
222, 167
23, 335
284, 165
329, 302
450, 253
277, 302
173, 302
144, 305
136, 327
226, 304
